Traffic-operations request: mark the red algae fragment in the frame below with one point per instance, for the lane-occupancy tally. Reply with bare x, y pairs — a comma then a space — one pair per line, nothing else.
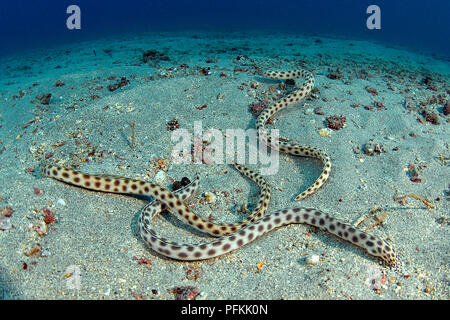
201, 107
49, 216
336, 122
143, 261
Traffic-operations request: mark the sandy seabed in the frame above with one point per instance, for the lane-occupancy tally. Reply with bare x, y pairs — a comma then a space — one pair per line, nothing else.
393, 141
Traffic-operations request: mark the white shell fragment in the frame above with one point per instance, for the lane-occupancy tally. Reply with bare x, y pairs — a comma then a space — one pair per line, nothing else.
312, 259
160, 177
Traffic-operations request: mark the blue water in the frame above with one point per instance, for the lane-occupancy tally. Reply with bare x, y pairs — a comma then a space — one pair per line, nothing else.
418, 25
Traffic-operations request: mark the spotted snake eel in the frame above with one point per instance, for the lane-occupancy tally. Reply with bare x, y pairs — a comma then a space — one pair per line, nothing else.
231, 236
288, 147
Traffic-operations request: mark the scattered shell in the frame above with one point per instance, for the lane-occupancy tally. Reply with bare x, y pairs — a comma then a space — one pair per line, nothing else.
371, 148
312, 259
5, 223
41, 228
61, 202
325, 131
210, 197
309, 111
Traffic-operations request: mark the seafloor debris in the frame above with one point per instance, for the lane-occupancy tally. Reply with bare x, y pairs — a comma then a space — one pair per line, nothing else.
205, 71
376, 104
19, 95
434, 99
312, 259
185, 293
193, 272
428, 81
44, 98
35, 250
161, 164
431, 117
372, 91
6, 211
373, 213
379, 105
259, 266
172, 125
413, 172
335, 75
336, 122
371, 148
210, 197
143, 261
41, 228
122, 83
59, 83
325, 132
154, 55
5, 223
133, 129
318, 111
447, 108
257, 107
49, 216
402, 199
160, 177
201, 107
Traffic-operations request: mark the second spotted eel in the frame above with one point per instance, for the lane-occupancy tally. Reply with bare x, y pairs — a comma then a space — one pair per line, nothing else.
373, 245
